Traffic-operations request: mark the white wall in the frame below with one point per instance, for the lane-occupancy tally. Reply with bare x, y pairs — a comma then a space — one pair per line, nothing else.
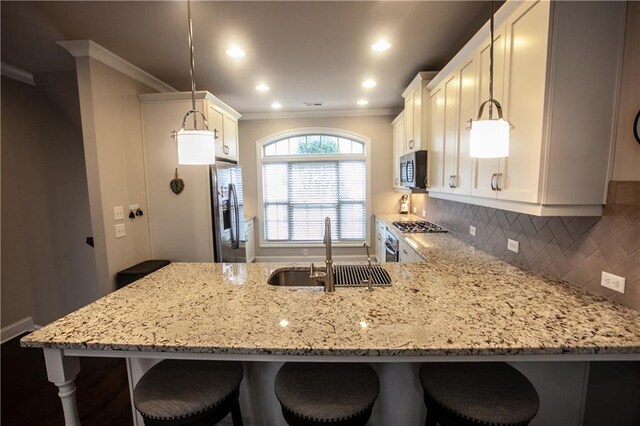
378, 128
626, 164
112, 132
47, 268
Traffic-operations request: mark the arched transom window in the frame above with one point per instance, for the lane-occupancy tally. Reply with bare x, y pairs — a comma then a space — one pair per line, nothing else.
309, 176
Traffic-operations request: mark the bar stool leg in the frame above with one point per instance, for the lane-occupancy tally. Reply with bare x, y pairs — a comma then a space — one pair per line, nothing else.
236, 415
431, 420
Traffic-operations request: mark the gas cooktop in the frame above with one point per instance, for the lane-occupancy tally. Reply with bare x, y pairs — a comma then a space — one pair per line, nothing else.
418, 226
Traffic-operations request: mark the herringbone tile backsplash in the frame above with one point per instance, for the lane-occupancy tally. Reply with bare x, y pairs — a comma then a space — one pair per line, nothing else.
576, 249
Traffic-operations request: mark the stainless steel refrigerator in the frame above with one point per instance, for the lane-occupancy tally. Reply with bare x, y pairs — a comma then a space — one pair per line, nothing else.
227, 206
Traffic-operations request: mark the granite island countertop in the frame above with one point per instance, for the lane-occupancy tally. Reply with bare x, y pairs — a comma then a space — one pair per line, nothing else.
462, 302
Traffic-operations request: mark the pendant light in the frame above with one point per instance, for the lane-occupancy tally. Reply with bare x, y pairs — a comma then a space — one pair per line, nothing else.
195, 146
489, 138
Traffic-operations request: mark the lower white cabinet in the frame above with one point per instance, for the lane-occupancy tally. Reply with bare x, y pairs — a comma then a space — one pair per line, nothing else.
407, 254
250, 240
381, 235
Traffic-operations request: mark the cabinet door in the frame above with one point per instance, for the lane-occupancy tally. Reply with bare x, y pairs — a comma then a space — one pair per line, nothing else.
230, 147
407, 254
436, 152
408, 123
526, 52
417, 121
215, 119
398, 143
485, 168
450, 132
467, 109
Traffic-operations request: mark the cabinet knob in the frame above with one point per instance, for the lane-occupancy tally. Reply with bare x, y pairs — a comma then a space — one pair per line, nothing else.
498, 181
225, 149
493, 179
396, 180
215, 134
411, 144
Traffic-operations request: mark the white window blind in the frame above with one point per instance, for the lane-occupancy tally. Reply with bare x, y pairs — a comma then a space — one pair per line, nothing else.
298, 195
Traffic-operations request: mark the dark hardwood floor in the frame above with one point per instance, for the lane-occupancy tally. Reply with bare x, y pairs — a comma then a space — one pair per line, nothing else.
29, 399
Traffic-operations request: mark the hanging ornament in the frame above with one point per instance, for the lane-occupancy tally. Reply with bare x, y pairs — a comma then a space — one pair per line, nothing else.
176, 184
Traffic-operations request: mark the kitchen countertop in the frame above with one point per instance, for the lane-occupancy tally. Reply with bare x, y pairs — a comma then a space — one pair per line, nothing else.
462, 302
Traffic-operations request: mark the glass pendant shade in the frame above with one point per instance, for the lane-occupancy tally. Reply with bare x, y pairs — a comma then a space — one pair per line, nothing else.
196, 147
489, 138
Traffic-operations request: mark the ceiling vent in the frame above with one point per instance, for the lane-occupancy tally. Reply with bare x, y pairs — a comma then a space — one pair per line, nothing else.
312, 104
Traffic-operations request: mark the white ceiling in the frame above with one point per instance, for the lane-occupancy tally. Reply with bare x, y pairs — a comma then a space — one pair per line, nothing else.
305, 51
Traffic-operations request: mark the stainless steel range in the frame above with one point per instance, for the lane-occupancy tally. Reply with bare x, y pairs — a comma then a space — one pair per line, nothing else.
420, 226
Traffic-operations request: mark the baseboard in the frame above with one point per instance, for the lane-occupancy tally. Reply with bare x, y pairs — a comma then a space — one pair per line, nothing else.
309, 259
16, 329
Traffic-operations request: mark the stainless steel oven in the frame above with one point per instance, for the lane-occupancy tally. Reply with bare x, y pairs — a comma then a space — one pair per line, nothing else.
391, 247
414, 169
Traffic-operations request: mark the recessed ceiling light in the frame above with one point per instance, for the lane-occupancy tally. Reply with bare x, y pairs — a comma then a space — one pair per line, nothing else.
235, 52
381, 45
262, 87
363, 102
276, 105
368, 83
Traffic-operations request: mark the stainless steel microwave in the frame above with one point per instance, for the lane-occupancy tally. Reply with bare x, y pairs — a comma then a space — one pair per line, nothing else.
414, 169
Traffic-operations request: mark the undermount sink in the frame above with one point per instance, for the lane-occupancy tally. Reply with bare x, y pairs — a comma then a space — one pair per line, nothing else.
345, 276
290, 277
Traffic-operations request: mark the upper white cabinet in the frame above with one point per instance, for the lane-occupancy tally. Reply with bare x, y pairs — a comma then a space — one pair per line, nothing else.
180, 225
399, 138
416, 116
556, 72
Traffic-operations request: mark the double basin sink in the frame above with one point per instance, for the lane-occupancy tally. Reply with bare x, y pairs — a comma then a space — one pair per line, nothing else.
344, 275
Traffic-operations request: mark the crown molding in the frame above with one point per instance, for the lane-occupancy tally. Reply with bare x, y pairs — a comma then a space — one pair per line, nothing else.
17, 74
321, 113
186, 96
91, 49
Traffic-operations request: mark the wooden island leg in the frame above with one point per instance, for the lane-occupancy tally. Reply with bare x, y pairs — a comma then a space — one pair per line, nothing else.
62, 371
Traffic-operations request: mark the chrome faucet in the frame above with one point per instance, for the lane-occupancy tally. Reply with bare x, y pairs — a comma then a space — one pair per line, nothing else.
369, 280
326, 277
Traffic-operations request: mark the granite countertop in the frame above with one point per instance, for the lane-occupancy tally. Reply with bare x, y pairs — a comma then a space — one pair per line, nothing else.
461, 302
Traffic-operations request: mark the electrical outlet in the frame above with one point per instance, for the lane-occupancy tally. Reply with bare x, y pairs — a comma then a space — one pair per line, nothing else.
305, 252
120, 230
513, 245
118, 213
472, 230
424, 213
613, 282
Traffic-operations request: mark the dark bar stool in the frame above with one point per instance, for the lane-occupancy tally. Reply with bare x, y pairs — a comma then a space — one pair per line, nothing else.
193, 393
319, 394
485, 393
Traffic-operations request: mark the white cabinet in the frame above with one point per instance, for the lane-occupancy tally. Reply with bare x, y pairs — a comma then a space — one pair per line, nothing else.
381, 235
416, 117
452, 104
399, 138
250, 241
180, 225
225, 126
556, 73
407, 254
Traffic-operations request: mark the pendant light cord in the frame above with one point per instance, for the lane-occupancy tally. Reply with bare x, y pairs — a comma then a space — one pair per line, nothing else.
192, 64
491, 62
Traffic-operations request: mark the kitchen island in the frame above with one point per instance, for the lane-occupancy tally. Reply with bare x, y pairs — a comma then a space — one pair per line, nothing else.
461, 305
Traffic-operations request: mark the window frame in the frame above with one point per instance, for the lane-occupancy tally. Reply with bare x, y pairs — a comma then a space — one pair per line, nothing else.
262, 159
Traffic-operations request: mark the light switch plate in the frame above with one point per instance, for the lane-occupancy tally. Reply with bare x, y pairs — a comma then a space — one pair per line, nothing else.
472, 230
613, 282
118, 213
513, 245
120, 230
